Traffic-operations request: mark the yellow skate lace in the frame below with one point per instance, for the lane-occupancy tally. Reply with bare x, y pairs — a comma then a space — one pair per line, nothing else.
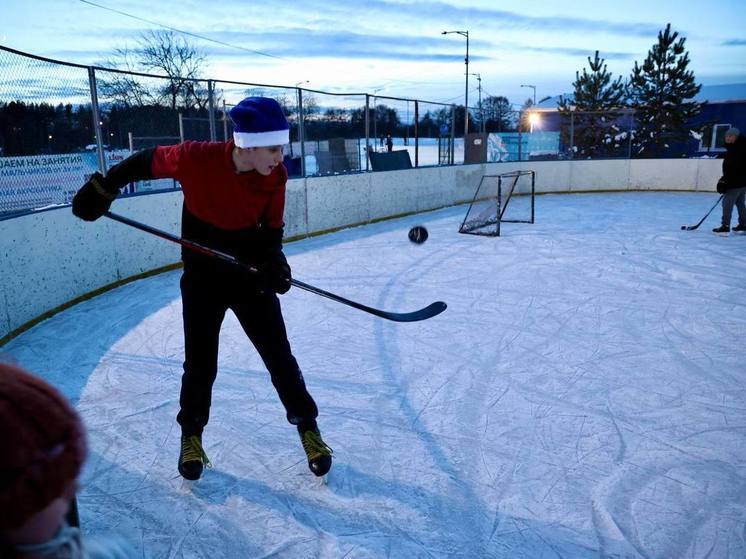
314, 445
192, 451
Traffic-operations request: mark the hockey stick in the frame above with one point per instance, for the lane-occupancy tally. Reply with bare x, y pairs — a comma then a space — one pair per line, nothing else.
701, 221
430, 311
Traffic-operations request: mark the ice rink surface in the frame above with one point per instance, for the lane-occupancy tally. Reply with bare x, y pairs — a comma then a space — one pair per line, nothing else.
584, 395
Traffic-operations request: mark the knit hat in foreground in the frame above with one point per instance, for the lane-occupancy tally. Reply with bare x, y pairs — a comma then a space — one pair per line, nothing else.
43, 445
259, 122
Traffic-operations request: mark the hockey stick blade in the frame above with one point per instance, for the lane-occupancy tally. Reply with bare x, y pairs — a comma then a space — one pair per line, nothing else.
430, 311
701, 221
433, 309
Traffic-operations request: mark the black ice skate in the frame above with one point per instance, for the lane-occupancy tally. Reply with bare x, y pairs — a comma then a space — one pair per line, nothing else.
723, 229
318, 453
739, 229
192, 458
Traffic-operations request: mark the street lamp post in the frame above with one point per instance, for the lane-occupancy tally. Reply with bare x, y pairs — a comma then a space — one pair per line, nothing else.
534, 88
466, 90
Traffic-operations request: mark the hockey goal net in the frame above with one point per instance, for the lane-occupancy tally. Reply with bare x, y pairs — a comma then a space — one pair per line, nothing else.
504, 198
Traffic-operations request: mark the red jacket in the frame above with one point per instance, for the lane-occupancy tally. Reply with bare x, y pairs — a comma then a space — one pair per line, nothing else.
215, 193
237, 213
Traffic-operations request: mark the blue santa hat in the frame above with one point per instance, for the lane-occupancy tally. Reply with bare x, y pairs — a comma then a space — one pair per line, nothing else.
259, 122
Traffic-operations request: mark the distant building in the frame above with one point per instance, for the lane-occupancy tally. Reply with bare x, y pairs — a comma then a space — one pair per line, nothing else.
724, 106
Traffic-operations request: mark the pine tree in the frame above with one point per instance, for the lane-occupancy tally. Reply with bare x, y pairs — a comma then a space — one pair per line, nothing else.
595, 126
661, 92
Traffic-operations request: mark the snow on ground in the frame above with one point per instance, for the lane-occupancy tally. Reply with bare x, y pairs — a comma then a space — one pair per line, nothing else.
584, 395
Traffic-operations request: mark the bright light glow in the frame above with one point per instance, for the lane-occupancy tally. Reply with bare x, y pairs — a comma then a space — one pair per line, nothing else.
534, 119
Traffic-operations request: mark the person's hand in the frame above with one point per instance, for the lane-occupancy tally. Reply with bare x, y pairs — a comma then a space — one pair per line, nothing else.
275, 275
722, 186
94, 198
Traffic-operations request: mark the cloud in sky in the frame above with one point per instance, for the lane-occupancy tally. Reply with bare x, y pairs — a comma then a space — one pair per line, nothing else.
449, 15
442, 15
305, 43
415, 25
358, 44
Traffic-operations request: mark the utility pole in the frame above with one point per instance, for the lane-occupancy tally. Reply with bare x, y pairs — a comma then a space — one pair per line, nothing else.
466, 91
479, 87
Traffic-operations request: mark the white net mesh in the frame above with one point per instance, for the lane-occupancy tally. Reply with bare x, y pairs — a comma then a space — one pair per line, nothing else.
504, 198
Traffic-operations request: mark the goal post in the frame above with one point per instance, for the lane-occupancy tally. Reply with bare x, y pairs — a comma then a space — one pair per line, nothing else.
504, 198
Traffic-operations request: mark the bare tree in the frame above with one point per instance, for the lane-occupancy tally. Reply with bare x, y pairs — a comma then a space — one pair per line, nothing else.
498, 113
180, 61
122, 88
161, 53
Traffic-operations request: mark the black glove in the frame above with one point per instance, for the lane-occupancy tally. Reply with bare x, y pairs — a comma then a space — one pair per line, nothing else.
94, 198
722, 186
274, 275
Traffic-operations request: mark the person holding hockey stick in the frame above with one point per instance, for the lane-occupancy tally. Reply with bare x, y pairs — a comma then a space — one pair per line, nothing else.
234, 198
44, 449
733, 183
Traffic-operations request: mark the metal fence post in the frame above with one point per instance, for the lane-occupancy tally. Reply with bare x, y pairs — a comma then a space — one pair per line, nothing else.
301, 133
211, 109
452, 147
96, 119
367, 132
520, 143
416, 134
225, 123
572, 134
181, 127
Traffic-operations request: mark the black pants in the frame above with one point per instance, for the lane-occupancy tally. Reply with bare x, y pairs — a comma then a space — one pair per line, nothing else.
734, 197
207, 293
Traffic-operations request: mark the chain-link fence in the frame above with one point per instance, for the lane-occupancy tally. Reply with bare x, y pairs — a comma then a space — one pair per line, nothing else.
61, 122
47, 141
334, 131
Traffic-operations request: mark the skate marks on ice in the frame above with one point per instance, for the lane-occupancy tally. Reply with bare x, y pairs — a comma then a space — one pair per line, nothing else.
582, 396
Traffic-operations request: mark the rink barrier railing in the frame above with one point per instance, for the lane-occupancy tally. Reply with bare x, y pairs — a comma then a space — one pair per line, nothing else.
51, 260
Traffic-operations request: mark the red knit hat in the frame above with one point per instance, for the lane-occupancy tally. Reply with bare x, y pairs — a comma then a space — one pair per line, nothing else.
43, 445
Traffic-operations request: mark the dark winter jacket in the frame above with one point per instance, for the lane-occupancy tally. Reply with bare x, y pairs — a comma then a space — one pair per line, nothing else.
734, 163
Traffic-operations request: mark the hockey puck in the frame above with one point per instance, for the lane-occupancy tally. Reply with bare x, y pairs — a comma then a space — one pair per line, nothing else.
418, 234
683, 227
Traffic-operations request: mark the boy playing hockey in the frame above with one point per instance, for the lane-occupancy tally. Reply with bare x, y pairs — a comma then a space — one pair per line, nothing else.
234, 198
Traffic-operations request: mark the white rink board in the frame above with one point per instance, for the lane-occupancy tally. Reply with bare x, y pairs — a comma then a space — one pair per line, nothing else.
68, 258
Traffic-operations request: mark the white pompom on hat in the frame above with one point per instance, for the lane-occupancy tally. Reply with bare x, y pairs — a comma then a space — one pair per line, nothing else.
259, 122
